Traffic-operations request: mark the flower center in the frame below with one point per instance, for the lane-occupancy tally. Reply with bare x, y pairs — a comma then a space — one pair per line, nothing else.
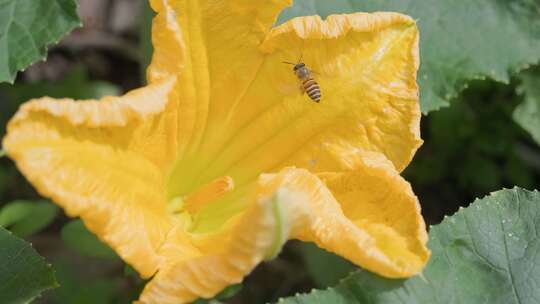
199, 198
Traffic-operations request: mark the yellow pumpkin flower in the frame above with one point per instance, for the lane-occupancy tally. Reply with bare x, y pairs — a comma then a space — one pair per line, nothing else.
199, 176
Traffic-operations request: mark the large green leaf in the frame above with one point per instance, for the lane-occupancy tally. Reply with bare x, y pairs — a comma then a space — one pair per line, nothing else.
460, 40
486, 253
23, 273
27, 27
527, 114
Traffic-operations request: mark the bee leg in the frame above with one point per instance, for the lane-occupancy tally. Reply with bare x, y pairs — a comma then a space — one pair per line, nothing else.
302, 90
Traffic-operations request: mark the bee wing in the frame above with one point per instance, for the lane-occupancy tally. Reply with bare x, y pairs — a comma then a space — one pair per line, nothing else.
314, 72
288, 88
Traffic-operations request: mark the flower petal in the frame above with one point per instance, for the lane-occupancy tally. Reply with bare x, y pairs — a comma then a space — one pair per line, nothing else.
366, 66
205, 44
376, 224
103, 161
201, 265
378, 200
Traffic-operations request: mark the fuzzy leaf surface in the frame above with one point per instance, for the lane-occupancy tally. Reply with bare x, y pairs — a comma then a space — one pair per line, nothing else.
24, 274
486, 253
27, 27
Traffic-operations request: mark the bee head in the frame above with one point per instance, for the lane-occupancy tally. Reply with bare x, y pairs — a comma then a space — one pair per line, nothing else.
299, 66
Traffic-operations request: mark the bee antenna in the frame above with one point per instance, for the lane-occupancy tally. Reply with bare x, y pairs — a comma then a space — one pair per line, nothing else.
286, 62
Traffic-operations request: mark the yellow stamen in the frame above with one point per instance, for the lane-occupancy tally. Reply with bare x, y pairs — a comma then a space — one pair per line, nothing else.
208, 193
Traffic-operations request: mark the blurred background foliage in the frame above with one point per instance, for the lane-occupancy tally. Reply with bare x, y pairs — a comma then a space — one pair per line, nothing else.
476, 146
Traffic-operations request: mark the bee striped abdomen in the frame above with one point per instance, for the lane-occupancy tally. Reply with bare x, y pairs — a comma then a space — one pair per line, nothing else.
311, 87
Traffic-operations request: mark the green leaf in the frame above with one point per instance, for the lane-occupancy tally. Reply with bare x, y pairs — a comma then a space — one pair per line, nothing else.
226, 293
79, 239
145, 43
324, 267
27, 27
527, 114
14, 212
486, 253
24, 274
129, 271
460, 40
229, 292
25, 218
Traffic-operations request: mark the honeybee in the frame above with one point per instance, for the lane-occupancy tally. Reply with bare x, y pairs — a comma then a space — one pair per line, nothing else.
308, 84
